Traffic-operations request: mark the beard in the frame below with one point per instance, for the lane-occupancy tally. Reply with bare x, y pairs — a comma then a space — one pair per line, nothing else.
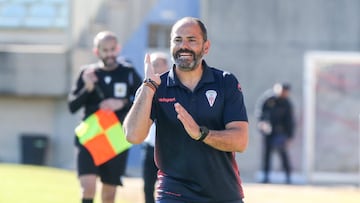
187, 63
109, 62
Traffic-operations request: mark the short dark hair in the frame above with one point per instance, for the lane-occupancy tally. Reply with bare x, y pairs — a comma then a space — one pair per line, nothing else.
286, 86
197, 21
203, 28
103, 35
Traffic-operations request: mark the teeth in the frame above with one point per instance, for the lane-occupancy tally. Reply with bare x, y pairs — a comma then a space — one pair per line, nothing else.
185, 54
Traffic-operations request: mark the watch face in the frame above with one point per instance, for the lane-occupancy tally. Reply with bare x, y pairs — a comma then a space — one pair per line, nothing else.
204, 130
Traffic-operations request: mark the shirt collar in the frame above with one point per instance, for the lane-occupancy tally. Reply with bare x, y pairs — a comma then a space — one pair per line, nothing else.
207, 76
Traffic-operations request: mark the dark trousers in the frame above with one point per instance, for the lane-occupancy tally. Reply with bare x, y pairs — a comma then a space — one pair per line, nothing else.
149, 173
282, 150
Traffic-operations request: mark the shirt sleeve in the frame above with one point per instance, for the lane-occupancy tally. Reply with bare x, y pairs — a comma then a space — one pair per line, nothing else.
78, 95
234, 109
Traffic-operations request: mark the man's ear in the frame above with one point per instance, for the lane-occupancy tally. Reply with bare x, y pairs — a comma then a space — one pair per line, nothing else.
118, 48
206, 47
96, 51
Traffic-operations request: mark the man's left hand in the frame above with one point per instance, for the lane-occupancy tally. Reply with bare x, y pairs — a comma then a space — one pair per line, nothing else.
191, 127
113, 104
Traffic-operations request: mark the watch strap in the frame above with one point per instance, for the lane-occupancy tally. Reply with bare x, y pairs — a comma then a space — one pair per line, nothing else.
204, 132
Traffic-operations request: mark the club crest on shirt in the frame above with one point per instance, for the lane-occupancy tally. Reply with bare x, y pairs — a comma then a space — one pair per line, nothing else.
120, 89
107, 79
211, 96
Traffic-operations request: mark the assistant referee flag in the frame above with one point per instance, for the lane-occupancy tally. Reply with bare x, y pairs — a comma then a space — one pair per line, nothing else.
102, 134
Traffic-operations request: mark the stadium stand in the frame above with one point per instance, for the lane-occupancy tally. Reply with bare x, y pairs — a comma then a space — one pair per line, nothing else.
34, 14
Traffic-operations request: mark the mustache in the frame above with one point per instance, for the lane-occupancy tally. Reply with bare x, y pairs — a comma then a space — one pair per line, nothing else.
110, 57
180, 51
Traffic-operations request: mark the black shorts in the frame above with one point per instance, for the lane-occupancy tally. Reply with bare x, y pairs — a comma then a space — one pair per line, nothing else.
179, 201
109, 172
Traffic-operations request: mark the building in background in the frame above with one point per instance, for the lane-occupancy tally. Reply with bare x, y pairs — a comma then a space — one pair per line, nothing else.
44, 42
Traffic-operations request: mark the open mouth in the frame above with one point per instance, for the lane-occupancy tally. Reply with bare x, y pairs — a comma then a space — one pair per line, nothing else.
185, 55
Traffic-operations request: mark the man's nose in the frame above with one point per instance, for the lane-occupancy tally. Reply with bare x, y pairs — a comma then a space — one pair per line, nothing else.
184, 44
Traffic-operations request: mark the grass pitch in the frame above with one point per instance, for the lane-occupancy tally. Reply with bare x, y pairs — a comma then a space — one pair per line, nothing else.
27, 184
39, 184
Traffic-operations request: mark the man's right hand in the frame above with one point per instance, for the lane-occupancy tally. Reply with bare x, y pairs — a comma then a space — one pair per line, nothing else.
264, 127
89, 79
149, 70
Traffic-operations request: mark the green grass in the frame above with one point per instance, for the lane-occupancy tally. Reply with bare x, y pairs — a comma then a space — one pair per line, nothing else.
27, 184
39, 184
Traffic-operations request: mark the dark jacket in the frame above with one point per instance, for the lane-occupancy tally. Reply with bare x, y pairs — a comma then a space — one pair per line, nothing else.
120, 83
279, 113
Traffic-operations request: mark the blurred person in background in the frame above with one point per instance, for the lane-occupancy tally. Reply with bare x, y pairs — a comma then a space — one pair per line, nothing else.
276, 124
108, 85
160, 64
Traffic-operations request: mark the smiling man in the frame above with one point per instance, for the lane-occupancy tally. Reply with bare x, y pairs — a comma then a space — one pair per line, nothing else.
201, 122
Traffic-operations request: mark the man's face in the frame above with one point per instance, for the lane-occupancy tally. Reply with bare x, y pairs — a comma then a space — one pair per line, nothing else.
107, 52
187, 46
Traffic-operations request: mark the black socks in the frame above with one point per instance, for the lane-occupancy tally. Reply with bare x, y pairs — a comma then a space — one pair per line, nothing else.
87, 201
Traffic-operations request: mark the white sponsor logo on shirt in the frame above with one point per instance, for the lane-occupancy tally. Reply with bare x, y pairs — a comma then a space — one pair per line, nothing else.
120, 89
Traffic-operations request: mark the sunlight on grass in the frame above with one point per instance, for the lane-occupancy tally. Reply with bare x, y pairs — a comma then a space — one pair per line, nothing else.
26, 183
40, 184
270, 193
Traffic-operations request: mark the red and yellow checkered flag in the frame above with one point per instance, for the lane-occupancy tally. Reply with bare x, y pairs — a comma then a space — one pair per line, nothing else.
102, 134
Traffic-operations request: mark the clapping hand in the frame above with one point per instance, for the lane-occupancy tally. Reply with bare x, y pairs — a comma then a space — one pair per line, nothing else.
191, 127
89, 78
113, 104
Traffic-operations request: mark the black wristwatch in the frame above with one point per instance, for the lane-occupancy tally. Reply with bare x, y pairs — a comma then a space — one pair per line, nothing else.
204, 132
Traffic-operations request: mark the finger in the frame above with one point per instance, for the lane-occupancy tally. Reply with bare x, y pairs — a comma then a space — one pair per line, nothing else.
178, 108
186, 119
105, 106
147, 65
93, 78
147, 58
183, 115
90, 75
